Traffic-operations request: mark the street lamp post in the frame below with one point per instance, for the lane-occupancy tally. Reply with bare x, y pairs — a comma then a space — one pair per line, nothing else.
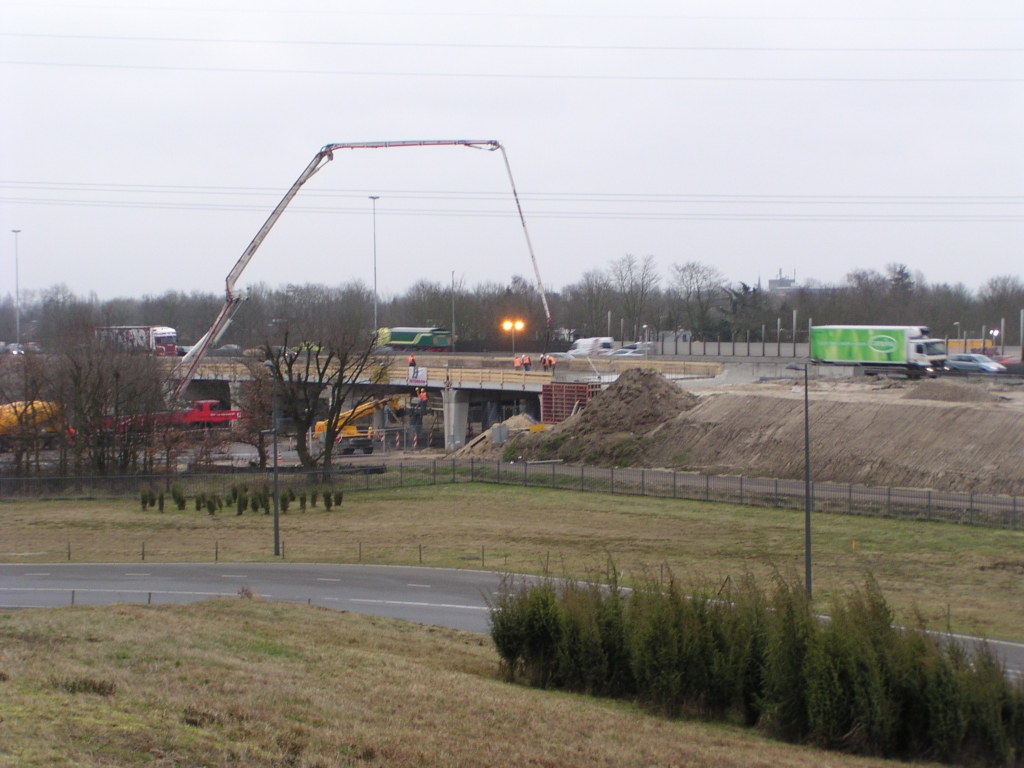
807, 478
17, 291
375, 198
277, 493
513, 326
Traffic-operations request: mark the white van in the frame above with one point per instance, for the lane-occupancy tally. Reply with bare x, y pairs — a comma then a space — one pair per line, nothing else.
595, 345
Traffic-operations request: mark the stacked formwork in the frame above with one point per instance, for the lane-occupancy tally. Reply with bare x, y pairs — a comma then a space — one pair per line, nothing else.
558, 401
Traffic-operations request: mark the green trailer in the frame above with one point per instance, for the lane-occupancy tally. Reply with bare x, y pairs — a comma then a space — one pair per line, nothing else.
415, 339
880, 346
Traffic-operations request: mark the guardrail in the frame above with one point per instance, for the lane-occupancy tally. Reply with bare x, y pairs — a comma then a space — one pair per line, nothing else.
965, 508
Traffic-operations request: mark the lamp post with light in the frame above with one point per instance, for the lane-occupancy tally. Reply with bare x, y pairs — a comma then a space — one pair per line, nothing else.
807, 478
17, 291
513, 326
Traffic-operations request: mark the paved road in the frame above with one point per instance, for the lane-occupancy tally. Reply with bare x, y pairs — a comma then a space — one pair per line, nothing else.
446, 597
439, 596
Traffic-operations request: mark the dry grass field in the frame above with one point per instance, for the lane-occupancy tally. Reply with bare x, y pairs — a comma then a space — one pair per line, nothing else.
252, 683
923, 567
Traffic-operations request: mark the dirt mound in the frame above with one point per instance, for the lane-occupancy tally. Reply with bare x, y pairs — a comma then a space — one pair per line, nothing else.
951, 392
638, 401
615, 426
973, 446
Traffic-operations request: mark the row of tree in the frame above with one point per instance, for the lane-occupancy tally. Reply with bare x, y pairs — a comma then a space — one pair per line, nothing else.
619, 301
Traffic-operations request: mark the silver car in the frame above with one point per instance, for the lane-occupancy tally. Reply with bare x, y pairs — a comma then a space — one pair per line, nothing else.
974, 364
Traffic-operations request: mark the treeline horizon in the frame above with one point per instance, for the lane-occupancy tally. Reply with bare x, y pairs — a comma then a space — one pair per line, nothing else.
618, 300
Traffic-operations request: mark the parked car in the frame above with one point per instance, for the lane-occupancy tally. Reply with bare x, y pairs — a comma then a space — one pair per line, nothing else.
974, 364
626, 352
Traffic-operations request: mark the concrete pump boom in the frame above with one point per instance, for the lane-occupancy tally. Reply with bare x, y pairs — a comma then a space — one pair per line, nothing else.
190, 363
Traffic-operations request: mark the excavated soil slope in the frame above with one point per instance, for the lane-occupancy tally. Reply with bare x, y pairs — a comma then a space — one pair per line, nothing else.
941, 435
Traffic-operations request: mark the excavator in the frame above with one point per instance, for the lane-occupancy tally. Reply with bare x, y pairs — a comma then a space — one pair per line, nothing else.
352, 437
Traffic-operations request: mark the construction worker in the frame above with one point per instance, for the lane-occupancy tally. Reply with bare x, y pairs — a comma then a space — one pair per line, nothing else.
544, 363
517, 363
551, 363
412, 360
526, 362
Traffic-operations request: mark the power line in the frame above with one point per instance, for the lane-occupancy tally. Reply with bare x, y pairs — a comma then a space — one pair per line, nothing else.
509, 46
538, 214
558, 196
507, 76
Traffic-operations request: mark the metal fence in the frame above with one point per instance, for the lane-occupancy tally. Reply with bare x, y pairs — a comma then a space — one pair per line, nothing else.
903, 503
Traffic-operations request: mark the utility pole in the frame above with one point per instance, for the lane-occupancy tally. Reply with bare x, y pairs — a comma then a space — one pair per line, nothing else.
375, 198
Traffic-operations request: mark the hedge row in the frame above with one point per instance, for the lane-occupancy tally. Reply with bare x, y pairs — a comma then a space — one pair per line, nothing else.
759, 656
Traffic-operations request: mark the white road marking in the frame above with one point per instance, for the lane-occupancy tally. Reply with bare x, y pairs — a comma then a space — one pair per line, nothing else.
418, 605
330, 598
113, 591
35, 574
328, 579
232, 575
136, 574
421, 586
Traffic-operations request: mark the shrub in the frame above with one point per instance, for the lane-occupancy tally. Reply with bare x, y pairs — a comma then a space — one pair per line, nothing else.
160, 502
200, 501
507, 621
241, 503
285, 501
144, 499
312, 498
302, 502
234, 494
338, 496
541, 632
179, 498
328, 501
211, 505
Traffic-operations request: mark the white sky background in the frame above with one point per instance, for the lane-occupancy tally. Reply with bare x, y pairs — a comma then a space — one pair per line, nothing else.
142, 144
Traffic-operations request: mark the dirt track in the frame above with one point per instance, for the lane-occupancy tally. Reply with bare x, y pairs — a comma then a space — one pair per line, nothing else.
934, 434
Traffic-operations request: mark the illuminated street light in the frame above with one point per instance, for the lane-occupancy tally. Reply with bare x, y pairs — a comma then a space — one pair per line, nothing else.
511, 326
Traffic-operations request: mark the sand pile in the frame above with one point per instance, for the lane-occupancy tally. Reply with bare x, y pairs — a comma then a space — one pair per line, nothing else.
951, 392
481, 446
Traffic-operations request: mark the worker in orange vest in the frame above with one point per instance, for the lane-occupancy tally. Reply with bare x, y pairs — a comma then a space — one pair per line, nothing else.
527, 362
517, 363
551, 363
544, 363
412, 361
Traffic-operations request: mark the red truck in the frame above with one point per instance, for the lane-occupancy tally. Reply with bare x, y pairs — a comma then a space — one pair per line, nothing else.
201, 415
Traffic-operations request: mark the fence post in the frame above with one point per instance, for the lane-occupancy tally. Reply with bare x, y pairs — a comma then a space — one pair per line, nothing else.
552, 475
707, 487
776, 492
673, 484
472, 472
972, 509
582, 473
643, 483
497, 466
849, 500
613, 479
1014, 523
741, 481
888, 501
433, 480
928, 513
453, 471
401, 474
366, 478
526, 476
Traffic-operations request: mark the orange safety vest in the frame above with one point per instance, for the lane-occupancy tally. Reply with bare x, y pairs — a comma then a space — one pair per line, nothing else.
551, 362
517, 362
526, 359
412, 361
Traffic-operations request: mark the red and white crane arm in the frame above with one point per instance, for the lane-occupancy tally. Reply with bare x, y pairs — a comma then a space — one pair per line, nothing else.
186, 369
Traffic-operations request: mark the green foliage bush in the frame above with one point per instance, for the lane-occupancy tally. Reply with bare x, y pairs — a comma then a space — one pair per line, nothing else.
241, 502
328, 500
178, 497
338, 497
313, 497
759, 656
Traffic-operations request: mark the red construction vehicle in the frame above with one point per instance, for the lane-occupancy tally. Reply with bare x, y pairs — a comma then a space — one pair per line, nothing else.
203, 414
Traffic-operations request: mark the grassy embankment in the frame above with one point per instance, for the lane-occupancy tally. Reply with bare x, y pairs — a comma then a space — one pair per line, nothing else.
921, 567
240, 682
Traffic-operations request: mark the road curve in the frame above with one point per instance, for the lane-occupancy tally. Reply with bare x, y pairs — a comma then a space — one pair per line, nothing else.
435, 596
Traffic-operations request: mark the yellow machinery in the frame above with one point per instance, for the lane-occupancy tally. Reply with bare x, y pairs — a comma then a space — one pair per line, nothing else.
352, 436
28, 417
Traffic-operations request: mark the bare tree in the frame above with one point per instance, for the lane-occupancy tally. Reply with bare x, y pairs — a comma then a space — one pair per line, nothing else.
587, 302
634, 280
699, 287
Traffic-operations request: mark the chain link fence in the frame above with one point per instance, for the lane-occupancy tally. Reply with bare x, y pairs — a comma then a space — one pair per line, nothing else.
966, 508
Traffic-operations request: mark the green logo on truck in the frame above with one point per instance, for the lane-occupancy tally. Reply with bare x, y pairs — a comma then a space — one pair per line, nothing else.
883, 345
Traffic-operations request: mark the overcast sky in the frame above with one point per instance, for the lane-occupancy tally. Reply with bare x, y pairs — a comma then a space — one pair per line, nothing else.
142, 144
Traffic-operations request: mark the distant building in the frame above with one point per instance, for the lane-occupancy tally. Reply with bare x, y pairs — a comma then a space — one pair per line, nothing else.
781, 284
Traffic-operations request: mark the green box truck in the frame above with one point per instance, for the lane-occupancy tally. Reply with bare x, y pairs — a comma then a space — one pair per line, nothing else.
901, 347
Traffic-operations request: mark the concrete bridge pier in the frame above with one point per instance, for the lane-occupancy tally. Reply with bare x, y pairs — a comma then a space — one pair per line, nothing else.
456, 417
